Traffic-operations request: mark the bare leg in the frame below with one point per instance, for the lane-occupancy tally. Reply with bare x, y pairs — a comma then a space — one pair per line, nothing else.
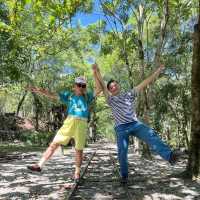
78, 162
48, 153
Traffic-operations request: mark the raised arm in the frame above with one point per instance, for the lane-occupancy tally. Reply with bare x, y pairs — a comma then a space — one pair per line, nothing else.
99, 80
42, 92
98, 88
150, 79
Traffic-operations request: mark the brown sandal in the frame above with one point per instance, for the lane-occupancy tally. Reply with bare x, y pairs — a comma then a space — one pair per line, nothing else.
68, 186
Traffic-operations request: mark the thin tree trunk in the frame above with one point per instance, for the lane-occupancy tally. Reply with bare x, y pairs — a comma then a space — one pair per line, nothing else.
37, 105
184, 131
193, 167
143, 98
21, 102
93, 124
163, 28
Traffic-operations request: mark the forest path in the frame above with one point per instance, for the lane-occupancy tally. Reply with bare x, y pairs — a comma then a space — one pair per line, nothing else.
149, 179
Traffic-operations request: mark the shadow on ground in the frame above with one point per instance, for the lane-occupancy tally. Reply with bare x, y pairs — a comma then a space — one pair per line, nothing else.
149, 180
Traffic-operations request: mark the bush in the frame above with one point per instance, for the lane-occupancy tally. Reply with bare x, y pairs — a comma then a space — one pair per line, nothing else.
37, 138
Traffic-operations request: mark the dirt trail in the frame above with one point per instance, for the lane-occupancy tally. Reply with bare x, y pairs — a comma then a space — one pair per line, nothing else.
151, 180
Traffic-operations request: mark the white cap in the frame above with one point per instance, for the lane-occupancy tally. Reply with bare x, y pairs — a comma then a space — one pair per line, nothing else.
80, 79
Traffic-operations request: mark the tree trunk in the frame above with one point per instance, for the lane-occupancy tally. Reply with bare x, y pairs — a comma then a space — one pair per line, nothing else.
193, 167
21, 102
163, 28
37, 105
93, 123
144, 107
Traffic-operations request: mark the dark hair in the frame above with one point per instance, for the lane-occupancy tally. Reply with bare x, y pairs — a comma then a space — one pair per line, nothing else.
109, 82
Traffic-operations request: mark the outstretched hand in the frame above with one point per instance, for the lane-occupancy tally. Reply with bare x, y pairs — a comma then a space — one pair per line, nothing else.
31, 88
41, 91
36, 90
161, 68
95, 67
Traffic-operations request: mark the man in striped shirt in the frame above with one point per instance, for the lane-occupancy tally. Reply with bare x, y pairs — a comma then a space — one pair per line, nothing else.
126, 122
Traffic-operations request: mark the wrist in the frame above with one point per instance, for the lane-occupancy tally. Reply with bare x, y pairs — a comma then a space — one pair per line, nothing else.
158, 71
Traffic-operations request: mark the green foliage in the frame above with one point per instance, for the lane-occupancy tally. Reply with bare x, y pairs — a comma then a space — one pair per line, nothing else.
47, 34
105, 122
37, 138
38, 42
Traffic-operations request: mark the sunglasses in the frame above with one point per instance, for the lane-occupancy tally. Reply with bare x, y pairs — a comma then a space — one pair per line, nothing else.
81, 85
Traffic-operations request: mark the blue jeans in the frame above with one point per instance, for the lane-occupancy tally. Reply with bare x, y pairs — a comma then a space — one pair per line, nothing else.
143, 132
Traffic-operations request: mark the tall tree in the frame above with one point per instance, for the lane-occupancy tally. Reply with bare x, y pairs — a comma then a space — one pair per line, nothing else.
193, 167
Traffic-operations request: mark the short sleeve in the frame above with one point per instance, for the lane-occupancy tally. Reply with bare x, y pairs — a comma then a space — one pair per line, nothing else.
90, 97
64, 95
133, 93
108, 100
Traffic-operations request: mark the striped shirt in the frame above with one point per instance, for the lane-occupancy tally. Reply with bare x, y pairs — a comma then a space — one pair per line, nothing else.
123, 107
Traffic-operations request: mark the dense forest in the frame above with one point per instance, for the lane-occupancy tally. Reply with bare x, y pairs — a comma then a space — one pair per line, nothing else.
45, 44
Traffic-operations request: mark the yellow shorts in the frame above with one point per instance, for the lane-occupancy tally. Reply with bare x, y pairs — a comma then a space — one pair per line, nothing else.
72, 128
